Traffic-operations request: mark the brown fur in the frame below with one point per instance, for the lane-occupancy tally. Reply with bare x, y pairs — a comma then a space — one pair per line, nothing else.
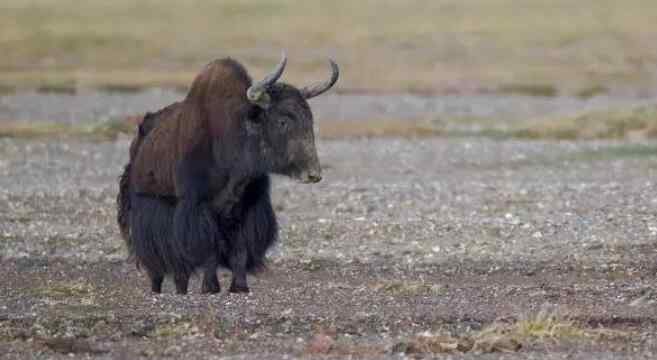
209, 110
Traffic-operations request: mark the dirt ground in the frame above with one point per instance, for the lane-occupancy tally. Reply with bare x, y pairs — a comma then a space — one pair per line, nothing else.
402, 237
464, 243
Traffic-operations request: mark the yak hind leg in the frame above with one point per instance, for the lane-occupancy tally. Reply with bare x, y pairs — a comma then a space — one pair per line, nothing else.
150, 234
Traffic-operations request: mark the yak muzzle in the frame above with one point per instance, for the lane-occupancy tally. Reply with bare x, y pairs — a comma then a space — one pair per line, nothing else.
310, 177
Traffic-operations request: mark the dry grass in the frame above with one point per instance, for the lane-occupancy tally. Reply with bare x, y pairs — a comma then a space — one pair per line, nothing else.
111, 129
71, 81
43, 129
640, 121
77, 292
541, 328
633, 122
174, 329
415, 45
335, 129
407, 287
546, 90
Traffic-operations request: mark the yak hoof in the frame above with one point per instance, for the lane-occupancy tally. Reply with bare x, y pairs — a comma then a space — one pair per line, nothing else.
236, 289
210, 289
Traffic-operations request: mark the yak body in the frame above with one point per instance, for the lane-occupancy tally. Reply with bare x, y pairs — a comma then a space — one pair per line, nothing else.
195, 194
147, 225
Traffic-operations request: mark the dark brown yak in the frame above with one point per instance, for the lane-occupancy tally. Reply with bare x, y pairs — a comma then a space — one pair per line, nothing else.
195, 194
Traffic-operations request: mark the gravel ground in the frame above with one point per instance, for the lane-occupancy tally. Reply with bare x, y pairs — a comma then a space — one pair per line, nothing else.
402, 236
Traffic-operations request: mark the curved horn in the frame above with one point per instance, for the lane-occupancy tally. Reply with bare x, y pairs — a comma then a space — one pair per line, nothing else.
256, 91
320, 88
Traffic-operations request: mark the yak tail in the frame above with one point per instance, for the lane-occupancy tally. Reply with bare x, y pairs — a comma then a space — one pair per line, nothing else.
123, 207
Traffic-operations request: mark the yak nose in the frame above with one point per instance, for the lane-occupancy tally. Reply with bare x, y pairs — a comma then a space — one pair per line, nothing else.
311, 177
314, 178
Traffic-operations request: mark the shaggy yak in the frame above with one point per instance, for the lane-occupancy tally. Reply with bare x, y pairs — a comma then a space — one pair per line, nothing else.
195, 193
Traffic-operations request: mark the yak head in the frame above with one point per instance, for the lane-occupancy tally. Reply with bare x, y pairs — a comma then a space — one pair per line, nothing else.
264, 126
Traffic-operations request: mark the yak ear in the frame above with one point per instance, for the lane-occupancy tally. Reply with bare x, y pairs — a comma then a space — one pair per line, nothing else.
254, 112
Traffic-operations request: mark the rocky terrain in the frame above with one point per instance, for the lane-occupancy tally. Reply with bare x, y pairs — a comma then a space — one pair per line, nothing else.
403, 238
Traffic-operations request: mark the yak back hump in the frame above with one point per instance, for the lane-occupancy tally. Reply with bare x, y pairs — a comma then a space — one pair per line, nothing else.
178, 131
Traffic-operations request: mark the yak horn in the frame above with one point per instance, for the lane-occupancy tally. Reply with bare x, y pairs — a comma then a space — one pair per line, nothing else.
257, 93
320, 88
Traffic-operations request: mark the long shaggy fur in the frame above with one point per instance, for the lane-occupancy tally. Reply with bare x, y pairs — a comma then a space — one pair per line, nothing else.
259, 228
148, 122
157, 249
165, 204
123, 205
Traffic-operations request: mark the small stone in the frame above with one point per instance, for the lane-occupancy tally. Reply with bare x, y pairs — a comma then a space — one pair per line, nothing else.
320, 344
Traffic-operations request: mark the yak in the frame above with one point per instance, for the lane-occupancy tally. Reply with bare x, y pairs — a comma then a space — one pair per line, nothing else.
195, 194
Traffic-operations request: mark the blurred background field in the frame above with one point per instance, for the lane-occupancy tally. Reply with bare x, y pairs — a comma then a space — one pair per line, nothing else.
556, 69
538, 47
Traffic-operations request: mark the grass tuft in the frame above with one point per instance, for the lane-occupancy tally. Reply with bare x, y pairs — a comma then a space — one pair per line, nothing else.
63, 290
174, 329
407, 287
542, 327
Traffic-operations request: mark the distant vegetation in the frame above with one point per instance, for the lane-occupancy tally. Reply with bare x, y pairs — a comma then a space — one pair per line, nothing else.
541, 47
638, 121
635, 122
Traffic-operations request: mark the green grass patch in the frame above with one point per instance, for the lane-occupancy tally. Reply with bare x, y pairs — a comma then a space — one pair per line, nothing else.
544, 90
631, 151
64, 87
591, 91
121, 88
7, 89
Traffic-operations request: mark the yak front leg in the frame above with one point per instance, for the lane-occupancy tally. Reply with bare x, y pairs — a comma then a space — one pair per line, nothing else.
238, 260
210, 280
156, 282
182, 282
